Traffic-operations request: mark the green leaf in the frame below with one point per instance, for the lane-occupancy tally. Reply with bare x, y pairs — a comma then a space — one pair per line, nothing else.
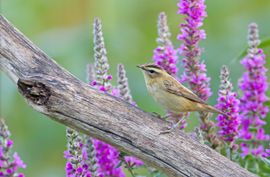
119, 164
266, 161
265, 43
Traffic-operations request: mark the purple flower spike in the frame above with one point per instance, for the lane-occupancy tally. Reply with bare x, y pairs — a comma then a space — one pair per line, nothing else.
8, 165
191, 35
108, 159
106, 156
89, 156
75, 162
101, 61
229, 104
254, 86
194, 69
124, 91
165, 55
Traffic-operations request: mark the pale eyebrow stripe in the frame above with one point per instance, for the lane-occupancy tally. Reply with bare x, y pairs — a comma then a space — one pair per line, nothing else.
154, 66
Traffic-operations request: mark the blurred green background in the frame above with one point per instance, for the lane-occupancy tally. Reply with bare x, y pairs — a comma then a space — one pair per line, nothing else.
63, 29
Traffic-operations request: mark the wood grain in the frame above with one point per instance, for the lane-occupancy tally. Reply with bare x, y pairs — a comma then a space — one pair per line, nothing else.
53, 91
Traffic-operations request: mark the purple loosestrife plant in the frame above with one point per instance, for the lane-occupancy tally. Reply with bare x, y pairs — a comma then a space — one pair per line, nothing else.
75, 165
108, 159
195, 70
124, 93
88, 151
123, 87
101, 61
191, 35
89, 156
8, 165
107, 156
165, 55
253, 85
80, 153
229, 104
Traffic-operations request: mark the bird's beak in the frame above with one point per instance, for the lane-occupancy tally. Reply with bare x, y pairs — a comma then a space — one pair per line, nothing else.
141, 67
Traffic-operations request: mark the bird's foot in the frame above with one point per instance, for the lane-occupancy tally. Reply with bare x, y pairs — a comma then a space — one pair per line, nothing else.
156, 115
171, 128
159, 116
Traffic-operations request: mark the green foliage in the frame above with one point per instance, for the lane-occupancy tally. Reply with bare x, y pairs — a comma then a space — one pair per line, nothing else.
259, 166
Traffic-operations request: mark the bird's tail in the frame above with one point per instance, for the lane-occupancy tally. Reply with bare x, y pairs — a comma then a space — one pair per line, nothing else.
215, 110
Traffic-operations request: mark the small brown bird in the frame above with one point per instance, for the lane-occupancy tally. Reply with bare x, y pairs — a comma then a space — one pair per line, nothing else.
171, 94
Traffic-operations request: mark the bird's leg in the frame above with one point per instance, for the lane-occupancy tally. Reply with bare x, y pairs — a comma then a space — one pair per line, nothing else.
179, 119
156, 115
172, 127
159, 116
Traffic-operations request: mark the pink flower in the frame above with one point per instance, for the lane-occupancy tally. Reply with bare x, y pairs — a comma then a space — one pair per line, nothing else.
229, 104
133, 161
109, 77
18, 161
191, 35
108, 159
8, 165
165, 55
254, 86
9, 143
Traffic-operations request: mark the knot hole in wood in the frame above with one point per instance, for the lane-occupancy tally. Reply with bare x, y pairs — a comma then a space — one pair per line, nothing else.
34, 91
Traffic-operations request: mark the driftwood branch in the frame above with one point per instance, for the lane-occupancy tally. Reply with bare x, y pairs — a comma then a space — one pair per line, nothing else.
53, 91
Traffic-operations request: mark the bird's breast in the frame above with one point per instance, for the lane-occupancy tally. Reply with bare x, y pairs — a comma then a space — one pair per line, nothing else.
168, 100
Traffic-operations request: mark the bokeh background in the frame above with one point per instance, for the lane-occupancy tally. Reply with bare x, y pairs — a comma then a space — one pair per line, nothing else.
63, 29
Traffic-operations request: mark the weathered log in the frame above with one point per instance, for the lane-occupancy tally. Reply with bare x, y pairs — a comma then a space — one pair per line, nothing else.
53, 91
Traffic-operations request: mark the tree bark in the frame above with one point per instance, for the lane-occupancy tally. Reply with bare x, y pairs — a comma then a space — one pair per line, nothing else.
53, 91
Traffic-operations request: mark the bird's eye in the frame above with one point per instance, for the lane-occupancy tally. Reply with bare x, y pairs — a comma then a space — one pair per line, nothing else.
151, 71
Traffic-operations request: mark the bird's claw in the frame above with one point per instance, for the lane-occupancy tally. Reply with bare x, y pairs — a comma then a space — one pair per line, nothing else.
159, 116
171, 128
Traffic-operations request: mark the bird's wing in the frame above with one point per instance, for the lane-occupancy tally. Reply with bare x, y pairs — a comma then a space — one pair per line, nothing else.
179, 90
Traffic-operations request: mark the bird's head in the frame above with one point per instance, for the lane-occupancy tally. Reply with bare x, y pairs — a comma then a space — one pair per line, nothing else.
152, 71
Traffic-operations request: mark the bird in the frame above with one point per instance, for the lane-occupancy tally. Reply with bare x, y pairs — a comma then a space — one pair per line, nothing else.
171, 94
